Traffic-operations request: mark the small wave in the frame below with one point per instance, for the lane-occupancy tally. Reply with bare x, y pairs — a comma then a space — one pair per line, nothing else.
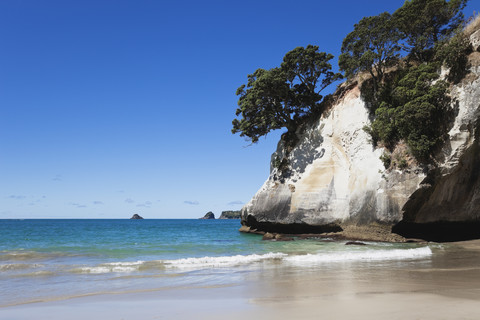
42, 273
111, 267
186, 263
21, 255
238, 260
18, 266
369, 255
223, 261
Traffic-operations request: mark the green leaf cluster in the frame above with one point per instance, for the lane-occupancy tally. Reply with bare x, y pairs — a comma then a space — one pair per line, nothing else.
417, 112
282, 97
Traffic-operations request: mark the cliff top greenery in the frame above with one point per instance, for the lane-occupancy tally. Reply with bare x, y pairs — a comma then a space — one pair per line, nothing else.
402, 52
282, 96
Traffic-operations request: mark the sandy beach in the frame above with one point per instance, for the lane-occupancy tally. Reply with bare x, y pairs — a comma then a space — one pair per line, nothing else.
447, 287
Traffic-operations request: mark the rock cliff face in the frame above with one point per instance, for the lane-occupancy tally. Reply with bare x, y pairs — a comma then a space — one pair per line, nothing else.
336, 180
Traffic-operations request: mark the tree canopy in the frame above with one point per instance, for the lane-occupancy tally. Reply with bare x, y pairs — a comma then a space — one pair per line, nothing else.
409, 102
282, 96
425, 22
372, 46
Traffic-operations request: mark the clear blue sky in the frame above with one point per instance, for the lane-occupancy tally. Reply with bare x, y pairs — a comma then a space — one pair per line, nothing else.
109, 108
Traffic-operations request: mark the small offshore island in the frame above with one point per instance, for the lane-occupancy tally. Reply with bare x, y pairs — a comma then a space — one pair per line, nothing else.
394, 153
225, 215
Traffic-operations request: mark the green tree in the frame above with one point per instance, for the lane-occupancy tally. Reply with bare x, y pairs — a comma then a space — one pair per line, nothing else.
419, 112
371, 46
282, 96
308, 72
424, 110
264, 104
425, 22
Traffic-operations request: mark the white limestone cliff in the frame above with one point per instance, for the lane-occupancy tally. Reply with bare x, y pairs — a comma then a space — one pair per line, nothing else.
337, 180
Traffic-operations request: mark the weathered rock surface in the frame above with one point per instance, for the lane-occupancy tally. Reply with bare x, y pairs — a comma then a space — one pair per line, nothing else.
208, 216
136, 216
337, 181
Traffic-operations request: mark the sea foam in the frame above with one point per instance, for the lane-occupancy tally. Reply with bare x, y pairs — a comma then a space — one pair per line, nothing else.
111, 267
367, 255
239, 260
223, 261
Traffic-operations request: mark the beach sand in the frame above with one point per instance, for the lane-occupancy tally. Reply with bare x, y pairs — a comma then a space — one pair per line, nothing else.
448, 287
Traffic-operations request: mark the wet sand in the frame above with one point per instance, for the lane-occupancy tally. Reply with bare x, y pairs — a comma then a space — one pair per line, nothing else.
447, 287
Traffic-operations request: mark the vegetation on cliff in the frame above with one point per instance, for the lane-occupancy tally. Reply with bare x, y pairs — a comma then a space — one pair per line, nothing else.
402, 54
281, 97
409, 102
372, 46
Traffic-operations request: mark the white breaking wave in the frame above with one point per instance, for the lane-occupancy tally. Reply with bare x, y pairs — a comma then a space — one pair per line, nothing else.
224, 261
112, 267
368, 255
231, 261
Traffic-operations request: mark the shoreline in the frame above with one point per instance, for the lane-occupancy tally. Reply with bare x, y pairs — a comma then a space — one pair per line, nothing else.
447, 286
275, 302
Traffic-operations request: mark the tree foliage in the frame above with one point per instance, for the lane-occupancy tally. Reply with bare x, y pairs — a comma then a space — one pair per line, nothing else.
419, 112
408, 102
454, 54
282, 96
372, 46
264, 104
425, 22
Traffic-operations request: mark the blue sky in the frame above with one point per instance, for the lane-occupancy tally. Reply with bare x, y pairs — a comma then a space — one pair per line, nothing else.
109, 108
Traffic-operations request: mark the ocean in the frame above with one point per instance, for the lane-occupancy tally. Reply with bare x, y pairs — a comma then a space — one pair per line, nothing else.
47, 260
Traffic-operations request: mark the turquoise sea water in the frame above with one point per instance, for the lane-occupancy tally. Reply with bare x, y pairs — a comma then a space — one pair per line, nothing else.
55, 259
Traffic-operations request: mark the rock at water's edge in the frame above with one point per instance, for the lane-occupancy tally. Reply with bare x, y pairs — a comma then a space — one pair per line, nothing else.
208, 216
136, 216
